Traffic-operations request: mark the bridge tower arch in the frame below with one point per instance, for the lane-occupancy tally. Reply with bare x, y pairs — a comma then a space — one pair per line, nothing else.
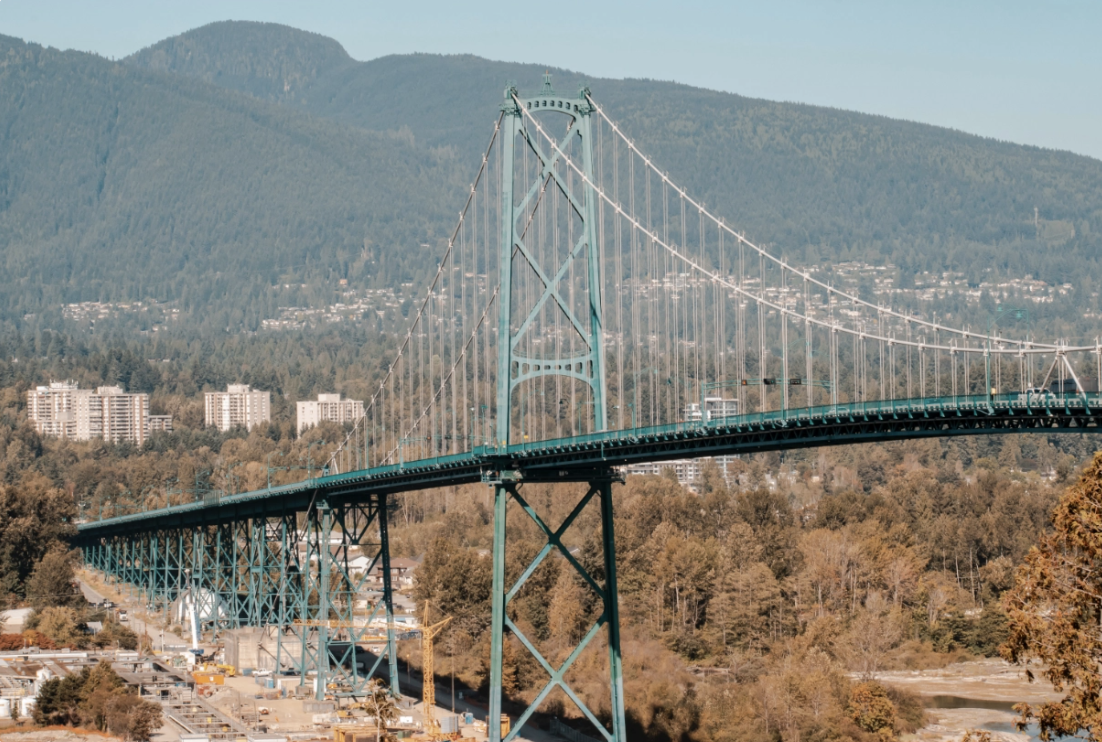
556, 286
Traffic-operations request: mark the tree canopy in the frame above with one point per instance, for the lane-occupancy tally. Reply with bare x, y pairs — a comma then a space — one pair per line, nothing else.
1055, 608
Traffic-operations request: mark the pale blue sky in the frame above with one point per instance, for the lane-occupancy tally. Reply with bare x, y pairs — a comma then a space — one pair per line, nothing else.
1028, 72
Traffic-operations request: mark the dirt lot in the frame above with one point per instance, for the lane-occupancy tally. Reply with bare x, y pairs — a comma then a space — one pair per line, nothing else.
984, 690
989, 680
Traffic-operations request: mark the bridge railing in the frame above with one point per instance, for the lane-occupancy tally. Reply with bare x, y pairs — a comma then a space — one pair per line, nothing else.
1031, 403
919, 405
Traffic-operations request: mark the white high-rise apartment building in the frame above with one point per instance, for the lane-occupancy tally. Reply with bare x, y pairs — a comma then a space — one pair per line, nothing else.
690, 472
715, 408
52, 409
63, 410
328, 408
238, 405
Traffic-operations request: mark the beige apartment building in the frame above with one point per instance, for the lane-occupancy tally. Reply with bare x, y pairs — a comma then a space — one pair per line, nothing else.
63, 410
52, 409
238, 405
160, 423
328, 408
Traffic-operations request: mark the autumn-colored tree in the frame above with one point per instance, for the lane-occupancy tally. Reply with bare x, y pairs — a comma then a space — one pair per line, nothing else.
873, 632
872, 709
61, 624
97, 697
35, 518
381, 705
1054, 610
52, 583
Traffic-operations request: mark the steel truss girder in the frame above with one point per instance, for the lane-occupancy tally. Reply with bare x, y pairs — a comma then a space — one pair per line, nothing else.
609, 617
572, 459
250, 573
691, 441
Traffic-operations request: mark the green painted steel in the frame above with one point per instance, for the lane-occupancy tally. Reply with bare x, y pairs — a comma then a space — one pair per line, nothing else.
573, 458
514, 369
249, 572
388, 596
600, 490
588, 366
612, 607
596, 315
505, 273
497, 617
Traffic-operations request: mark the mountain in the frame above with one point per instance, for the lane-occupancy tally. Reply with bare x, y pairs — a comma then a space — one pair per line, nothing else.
266, 60
817, 183
119, 184
243, 167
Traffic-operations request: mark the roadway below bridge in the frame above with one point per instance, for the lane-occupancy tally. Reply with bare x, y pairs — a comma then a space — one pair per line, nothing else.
138, 617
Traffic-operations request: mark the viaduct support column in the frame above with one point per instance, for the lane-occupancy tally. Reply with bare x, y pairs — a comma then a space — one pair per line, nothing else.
320, 600
388, 595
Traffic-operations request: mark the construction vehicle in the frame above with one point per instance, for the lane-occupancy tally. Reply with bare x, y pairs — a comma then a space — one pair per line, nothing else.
229, 670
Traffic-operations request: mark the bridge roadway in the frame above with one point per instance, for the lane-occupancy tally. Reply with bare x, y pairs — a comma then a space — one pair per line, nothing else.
593, 456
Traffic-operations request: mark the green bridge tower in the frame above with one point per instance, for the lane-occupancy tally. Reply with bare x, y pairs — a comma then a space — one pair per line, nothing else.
586, 366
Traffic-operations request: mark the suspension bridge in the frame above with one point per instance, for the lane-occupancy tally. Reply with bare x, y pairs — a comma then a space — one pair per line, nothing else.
587, 314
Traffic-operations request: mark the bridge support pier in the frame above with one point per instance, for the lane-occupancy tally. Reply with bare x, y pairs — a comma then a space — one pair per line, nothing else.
601, 489
249, 572
323, 594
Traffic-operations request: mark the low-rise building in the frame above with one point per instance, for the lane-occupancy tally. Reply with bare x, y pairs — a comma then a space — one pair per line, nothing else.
689, 472
159, 424
401, 571
328, 408
237, 406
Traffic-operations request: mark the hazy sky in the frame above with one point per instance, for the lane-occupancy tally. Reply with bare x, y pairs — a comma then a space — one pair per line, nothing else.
1024, 72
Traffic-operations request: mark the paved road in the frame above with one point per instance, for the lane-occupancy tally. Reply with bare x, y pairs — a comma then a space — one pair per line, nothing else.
138, 624
89, 593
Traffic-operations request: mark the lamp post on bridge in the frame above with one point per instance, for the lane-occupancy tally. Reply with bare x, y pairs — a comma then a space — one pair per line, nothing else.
310, 459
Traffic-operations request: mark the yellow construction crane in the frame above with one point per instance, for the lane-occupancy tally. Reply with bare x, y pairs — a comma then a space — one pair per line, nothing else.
428, 680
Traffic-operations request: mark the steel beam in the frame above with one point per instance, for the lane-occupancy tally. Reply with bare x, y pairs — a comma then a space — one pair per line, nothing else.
600, 489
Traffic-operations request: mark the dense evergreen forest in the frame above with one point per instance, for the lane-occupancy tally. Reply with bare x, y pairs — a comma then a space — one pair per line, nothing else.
243, 167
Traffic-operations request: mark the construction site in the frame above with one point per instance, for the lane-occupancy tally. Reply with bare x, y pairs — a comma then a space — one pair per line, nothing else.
230, 685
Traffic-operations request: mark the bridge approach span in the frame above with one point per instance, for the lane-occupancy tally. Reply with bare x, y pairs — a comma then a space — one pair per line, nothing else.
590, 457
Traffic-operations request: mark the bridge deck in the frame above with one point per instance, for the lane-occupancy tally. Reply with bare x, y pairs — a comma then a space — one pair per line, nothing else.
585, 457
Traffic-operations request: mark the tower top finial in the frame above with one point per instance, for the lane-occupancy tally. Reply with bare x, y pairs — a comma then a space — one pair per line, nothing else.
547, 89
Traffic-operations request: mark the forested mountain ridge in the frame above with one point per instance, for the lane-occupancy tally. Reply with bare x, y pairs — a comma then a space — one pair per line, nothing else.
263, 59
819, 184
121, 184
240, 168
